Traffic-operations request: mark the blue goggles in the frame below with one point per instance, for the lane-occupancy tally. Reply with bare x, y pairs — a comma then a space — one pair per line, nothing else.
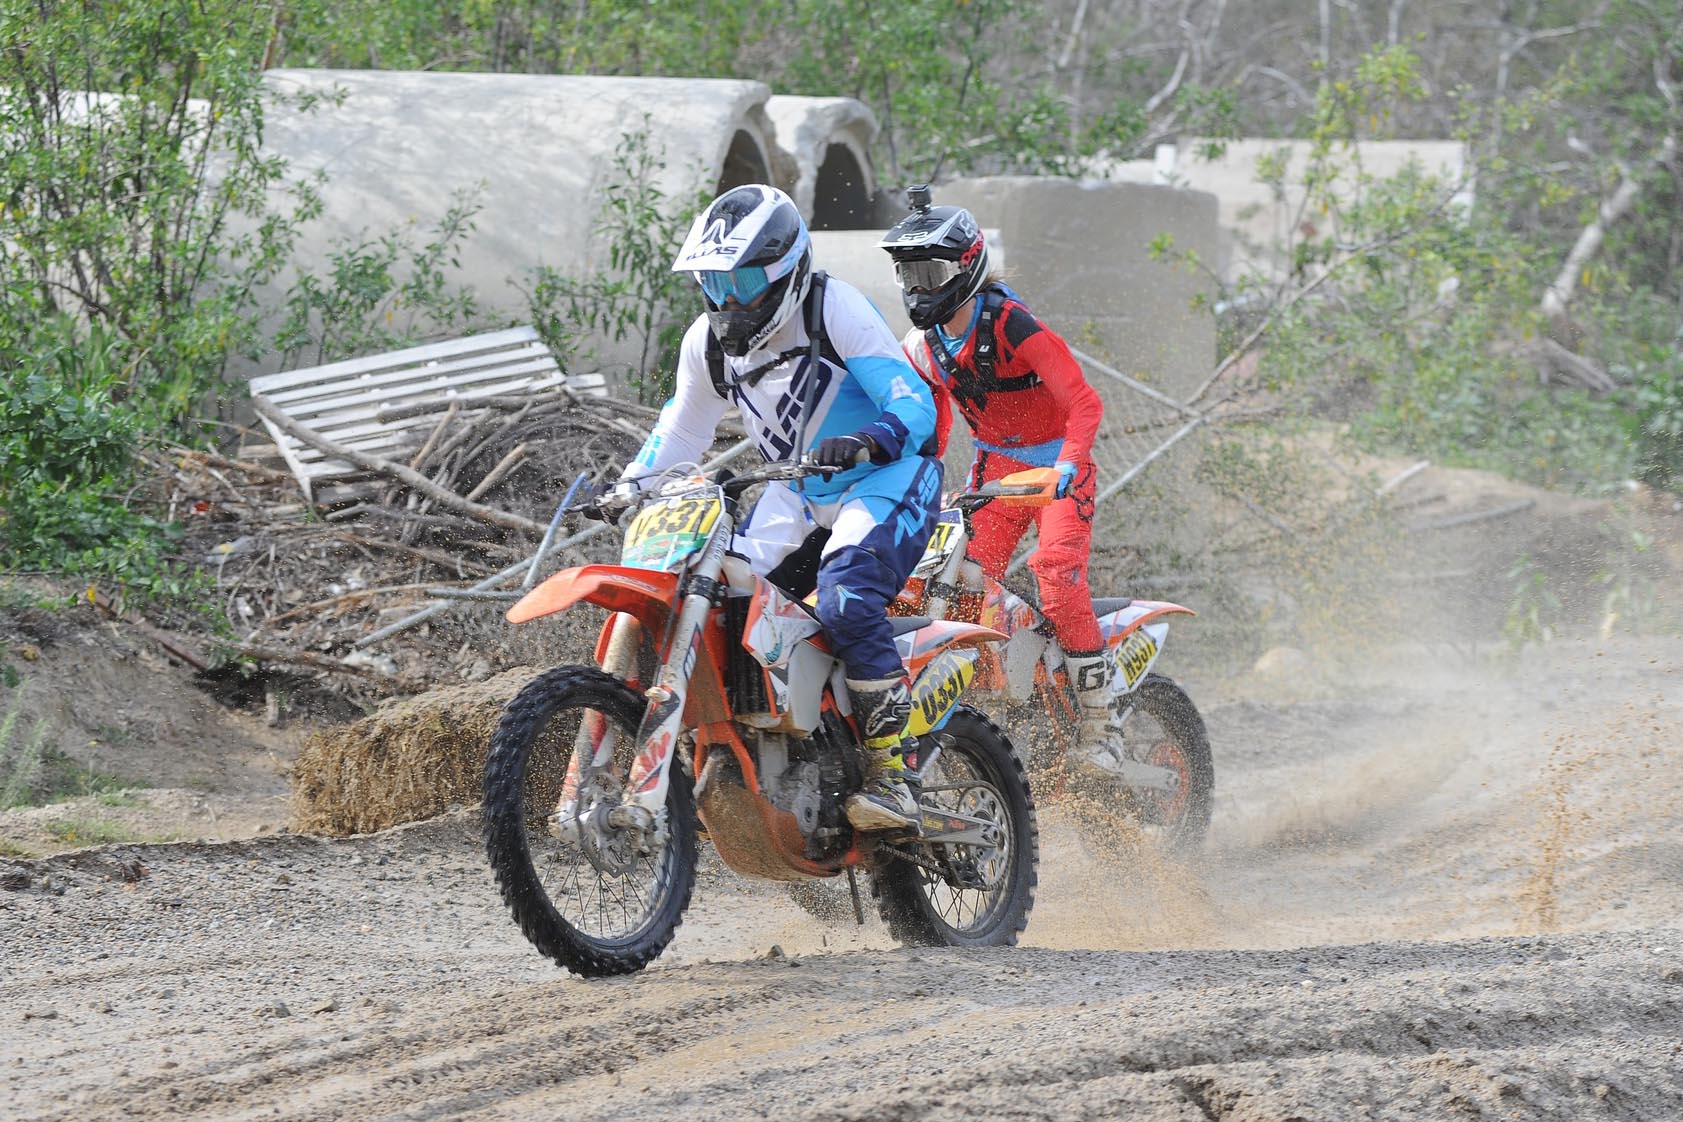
745, 284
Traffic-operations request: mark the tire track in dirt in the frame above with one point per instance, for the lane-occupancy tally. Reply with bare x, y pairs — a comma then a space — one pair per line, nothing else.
1432, 813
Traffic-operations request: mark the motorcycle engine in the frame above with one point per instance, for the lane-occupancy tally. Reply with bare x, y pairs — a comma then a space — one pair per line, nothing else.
810, 779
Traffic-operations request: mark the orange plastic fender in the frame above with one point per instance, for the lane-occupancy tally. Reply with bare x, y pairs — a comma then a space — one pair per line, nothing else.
927, 642
644, 593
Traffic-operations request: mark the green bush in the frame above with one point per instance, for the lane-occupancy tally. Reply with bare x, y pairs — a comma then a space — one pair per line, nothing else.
1659, 424
66, 445
136, 222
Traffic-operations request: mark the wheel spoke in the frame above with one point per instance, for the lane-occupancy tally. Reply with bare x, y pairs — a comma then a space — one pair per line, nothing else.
969, 792
590, 897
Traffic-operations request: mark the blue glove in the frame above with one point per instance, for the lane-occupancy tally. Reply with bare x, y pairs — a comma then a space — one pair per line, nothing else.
843, 452
1066, 478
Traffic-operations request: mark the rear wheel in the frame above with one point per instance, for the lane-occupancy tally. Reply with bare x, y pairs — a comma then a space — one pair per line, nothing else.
596, 898
966, 895
1165, 730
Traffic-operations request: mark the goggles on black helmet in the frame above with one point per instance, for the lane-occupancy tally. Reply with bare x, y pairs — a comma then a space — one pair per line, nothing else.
928, 275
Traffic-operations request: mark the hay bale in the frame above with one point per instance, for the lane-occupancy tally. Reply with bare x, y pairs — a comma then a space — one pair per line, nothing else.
412, 759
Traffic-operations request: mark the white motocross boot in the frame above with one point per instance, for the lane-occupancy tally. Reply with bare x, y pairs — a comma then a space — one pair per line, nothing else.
1097, 748
882, 707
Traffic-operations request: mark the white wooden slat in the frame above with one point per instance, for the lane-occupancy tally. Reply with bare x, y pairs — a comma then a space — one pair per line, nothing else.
341, 400
371, 436
293, 379
368, 409
333, 494
347, 425
441, 391
412, 356
399, 380
285, 443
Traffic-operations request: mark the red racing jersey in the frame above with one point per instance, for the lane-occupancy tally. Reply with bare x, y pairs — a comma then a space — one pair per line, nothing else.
1035, 406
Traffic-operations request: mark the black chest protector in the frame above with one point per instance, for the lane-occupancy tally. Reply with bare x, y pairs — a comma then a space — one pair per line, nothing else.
812, 309
971, 387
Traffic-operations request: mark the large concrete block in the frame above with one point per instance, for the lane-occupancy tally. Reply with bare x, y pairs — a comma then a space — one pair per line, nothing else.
1080, 258
829, 141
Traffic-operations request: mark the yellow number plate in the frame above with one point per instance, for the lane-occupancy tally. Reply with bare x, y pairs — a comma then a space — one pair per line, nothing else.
1136, 654
664, 534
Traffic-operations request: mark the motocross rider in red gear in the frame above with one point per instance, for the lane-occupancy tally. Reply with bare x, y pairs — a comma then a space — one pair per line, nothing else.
1028, 406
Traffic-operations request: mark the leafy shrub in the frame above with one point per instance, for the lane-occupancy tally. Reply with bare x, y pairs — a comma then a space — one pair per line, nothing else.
638, 297
381, 292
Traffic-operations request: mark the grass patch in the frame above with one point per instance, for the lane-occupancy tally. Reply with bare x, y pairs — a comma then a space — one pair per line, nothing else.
10, 848
93, 831
33, 773
118, 798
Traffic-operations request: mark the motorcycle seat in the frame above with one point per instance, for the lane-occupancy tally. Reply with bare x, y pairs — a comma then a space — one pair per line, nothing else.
1110, 604
902, 624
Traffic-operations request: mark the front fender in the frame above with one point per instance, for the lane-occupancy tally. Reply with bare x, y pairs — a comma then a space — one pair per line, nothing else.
646, 594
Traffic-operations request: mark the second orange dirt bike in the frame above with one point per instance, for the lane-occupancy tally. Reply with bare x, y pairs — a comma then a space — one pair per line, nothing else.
714, 697
1159, 763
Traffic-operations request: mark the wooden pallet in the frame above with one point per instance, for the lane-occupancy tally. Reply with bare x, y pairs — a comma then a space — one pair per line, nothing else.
344, 401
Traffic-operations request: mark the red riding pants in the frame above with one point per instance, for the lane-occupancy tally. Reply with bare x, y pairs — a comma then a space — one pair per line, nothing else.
1060, 561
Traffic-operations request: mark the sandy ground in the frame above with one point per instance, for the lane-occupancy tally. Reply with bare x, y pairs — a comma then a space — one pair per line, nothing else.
1437, 888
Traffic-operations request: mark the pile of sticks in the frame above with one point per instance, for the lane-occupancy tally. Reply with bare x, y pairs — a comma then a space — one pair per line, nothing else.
299, 584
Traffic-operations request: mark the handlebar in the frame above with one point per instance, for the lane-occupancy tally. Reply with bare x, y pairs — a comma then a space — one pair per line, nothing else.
609, 504
777, 470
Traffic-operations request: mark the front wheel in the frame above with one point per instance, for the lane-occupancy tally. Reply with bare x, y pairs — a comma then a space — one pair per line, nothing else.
964, 895
597, 899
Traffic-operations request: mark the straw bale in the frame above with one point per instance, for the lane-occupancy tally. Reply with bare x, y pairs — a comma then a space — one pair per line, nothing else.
410, 760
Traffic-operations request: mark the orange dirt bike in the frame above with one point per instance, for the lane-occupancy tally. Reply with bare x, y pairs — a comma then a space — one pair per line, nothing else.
1160, 764
716, 697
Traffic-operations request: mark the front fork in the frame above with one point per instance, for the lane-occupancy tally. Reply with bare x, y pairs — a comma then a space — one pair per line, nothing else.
640, 805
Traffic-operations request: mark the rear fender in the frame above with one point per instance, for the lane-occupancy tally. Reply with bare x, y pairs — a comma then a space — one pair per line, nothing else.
1120, 624
918, 648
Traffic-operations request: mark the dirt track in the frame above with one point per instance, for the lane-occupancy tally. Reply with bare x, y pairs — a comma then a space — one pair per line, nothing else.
1486, 883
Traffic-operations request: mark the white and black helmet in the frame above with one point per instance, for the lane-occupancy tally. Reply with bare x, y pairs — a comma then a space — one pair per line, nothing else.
753, 258
940, 259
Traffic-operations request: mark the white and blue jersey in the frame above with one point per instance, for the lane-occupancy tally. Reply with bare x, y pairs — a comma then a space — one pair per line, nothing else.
875, 518
874, 390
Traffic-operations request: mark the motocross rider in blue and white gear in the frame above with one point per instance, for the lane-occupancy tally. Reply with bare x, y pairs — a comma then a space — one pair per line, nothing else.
844, 392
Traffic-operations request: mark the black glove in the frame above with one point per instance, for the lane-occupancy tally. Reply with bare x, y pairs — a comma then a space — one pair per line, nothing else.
843, 452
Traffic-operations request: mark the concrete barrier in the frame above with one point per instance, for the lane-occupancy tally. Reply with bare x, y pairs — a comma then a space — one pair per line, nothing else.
1080, 257
829, 141
538, 152
1258, 226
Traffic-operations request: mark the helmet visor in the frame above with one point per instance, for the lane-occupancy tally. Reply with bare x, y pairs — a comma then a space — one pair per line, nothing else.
745, 284
927, 275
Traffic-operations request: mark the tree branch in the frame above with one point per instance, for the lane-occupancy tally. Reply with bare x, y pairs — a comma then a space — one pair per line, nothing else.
410, 478
1559, 294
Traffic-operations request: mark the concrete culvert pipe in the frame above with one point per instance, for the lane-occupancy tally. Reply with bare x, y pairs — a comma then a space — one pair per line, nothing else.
829, 140
536, 153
